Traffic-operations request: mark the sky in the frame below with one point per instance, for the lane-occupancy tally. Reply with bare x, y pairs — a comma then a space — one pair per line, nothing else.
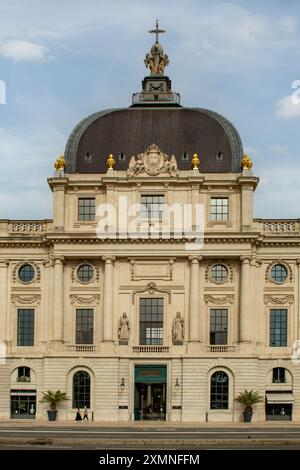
63, 60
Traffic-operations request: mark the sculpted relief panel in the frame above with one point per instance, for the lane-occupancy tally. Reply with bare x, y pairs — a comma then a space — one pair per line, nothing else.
152, 162
151, 270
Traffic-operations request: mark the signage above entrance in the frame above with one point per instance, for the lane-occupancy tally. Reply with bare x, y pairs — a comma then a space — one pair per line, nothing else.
151, 374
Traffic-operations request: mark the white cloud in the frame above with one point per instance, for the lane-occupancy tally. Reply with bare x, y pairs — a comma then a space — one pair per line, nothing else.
22, 50
287, 108
26, 160
279, 203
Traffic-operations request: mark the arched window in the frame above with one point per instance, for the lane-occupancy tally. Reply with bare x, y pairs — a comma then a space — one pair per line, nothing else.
23, 374
279, 375
81, 389
219, 386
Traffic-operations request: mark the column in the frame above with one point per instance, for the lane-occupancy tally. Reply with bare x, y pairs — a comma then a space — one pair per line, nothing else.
108, 298
194, 312
245, 301
3, 303
58, 300
59, 206
297, 299
149, 394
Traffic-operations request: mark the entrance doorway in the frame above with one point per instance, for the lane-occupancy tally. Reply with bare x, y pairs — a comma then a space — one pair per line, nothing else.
150, 393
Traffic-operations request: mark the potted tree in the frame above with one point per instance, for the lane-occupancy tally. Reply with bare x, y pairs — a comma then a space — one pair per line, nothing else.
53, 398
248, 399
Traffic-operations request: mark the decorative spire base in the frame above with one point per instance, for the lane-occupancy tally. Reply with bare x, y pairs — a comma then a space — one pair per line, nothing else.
156, 90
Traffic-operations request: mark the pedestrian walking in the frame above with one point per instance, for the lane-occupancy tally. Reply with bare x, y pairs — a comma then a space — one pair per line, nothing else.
85, 414
78, 416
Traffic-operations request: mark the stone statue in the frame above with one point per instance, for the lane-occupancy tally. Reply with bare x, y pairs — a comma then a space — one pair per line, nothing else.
156, 60
124, 328
178, 329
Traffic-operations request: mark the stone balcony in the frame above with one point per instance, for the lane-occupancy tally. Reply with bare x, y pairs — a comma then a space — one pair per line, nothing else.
153, 349
81, 348
220, 348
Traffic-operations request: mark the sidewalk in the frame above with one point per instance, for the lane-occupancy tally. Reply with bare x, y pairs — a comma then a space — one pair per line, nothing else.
9, 423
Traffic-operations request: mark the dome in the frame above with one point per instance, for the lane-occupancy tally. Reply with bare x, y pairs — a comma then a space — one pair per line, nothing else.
177, 131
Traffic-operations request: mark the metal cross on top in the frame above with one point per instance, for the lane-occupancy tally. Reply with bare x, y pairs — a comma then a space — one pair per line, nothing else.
157, 31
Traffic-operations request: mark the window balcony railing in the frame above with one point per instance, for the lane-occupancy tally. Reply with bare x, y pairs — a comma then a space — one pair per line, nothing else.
23, 379
151, 349
81, 347
221, 348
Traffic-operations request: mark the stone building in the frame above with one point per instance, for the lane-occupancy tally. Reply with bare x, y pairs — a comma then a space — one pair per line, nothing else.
136, 322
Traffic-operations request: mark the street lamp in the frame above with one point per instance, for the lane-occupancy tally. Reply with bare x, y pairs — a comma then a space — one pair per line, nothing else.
122, 385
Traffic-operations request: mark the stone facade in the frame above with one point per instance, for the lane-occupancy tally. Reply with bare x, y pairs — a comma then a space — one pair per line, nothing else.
126, 270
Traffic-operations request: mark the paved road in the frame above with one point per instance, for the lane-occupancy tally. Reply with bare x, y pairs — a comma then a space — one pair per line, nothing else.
204, 447
142, 433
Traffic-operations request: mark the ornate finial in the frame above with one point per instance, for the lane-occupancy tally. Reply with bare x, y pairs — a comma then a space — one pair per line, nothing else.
60, 164
195, 161
246, 162
157, 31
156, 60
110, 162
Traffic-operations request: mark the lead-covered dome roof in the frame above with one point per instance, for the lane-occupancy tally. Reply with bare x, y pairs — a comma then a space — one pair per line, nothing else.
177, 131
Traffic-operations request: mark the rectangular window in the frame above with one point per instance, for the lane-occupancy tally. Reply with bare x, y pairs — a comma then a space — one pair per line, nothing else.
219, 208
151, 321
84, 325
25, 327
218, 325
86, 208
152, 207
278, 327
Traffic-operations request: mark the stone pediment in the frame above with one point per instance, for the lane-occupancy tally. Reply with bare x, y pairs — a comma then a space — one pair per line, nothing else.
152, 162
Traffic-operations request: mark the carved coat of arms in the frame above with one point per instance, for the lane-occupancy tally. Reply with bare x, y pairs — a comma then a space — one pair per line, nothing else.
152, 162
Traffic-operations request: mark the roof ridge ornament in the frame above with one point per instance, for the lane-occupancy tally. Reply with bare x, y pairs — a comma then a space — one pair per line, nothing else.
156, 60
59, 165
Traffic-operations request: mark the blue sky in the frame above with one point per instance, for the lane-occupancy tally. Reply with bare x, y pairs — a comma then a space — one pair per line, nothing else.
62, 60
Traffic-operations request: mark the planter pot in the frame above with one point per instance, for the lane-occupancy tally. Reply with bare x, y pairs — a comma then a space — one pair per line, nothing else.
247, 416
52, 415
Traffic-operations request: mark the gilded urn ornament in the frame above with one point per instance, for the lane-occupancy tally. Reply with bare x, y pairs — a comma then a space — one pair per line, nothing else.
195, 161
59, 164
246, 162
110, 161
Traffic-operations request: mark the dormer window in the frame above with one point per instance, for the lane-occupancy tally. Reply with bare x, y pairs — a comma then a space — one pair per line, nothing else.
88, 157
122, 157
219, 156
185, 157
